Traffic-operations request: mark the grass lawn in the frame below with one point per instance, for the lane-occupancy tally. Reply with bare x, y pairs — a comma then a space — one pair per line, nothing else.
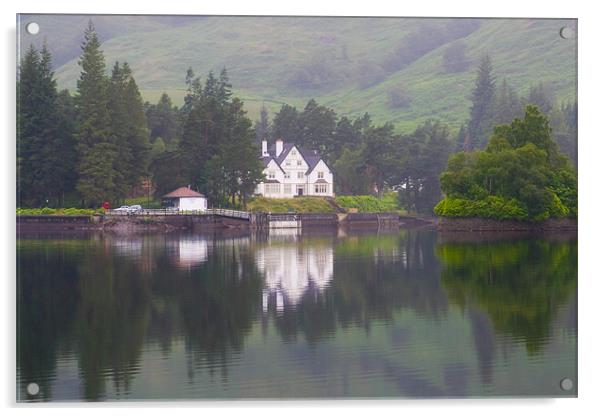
298, 204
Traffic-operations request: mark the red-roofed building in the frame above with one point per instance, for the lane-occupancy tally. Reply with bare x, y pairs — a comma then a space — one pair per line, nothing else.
185, 199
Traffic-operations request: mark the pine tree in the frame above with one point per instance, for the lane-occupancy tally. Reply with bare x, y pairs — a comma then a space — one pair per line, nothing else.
262, 126
98, 153
163, 120
28, 140
285, 124
460, 138
44, 147
507, 105
318, 124
129, 126
481, 112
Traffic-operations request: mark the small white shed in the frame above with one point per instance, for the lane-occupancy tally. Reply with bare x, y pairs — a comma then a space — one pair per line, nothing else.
185, 199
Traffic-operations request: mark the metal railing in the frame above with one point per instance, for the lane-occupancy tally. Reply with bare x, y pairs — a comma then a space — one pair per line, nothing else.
171, 211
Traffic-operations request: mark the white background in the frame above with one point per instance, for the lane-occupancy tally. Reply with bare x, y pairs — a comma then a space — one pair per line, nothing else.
590, 175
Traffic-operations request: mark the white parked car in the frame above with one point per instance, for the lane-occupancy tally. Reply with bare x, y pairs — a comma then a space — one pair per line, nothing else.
123, 208
135, 208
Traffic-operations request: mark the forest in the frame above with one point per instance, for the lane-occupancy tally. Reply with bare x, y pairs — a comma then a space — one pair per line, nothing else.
104, 143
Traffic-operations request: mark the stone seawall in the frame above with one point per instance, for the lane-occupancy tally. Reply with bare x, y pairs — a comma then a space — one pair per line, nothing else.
359, 219
198, 223
485, 225
58, 223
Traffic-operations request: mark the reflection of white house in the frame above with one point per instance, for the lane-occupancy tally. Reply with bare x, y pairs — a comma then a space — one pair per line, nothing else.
291, 170
191, 252
185, 199
290, 270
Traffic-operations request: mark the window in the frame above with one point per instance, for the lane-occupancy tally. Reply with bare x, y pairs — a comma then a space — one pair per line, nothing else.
294, 152
287, 163
300, 175
299, 163
287, 188
321, 188
272, 188
320, 175
271, 174
287, 175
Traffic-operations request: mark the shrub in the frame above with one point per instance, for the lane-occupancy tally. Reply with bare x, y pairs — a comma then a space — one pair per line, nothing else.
57, 211
493, 207
369, 203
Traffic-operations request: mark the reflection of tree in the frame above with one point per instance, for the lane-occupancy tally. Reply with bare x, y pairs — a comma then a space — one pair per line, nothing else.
520, 284
112, 318
217, 302
45, 294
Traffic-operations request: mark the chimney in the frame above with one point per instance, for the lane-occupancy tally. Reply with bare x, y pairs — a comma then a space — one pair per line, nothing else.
264, 148
279, 144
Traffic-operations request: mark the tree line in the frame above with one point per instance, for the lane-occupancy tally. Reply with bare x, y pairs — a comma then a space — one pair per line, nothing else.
521, 174
79, 150
105, 143
496, 104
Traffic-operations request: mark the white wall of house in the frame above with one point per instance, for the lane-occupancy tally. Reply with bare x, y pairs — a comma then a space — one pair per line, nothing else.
190, 204
321, 172
293, 181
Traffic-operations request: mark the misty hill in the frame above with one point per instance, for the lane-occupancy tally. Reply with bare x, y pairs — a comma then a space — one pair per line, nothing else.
401, 70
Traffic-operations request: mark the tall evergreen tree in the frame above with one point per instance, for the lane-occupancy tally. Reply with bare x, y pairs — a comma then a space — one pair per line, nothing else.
541, 96
45, 136
98, 152
318, 124
285, 124
262, 126
460, 138
507, 105
481, 112
163, 119
129, 127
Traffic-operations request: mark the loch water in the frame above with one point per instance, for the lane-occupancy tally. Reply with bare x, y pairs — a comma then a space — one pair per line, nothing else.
291, 314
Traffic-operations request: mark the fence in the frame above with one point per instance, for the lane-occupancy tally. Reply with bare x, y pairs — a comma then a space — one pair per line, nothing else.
163, 212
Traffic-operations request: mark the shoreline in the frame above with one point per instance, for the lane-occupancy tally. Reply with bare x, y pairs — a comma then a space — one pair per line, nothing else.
132, 224
478, 225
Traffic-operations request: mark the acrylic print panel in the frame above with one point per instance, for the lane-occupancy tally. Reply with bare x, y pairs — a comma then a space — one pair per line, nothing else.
295, 207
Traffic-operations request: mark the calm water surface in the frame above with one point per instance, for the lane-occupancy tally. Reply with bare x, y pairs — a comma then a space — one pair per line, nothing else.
403, 314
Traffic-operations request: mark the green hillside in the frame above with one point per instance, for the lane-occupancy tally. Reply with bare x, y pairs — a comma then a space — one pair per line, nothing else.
346, 63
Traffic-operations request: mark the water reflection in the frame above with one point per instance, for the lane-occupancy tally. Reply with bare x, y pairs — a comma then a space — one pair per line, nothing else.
294, 315
292, 269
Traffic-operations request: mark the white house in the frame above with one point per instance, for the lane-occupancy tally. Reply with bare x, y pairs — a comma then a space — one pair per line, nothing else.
293, 171
185, 199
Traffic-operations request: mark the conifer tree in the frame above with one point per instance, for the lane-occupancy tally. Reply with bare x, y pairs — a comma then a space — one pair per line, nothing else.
45, 135
98, 153
163, 120
286, 123
129, 127
262, 126
507, 105
481, 112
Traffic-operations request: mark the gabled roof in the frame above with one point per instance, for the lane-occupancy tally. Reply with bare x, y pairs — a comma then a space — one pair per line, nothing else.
183, 192
266, 161
311, 157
